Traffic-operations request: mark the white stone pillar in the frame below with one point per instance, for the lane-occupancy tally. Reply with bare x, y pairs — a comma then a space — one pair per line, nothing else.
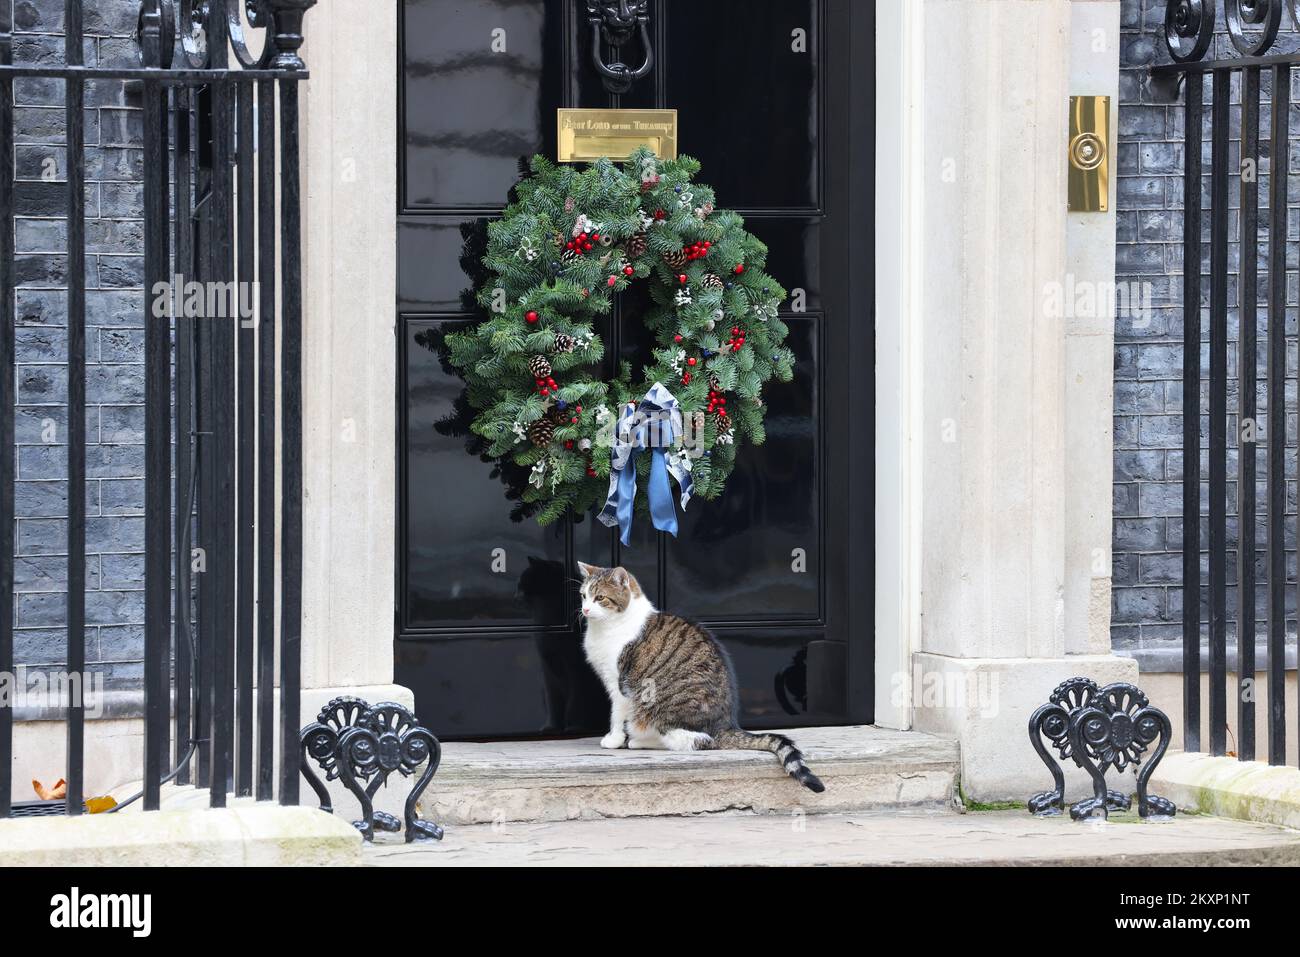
1005, 467
349, 142
1089, 352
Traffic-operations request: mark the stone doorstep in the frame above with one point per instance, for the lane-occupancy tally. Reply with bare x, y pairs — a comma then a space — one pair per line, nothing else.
894, 838
862, 767
248, 835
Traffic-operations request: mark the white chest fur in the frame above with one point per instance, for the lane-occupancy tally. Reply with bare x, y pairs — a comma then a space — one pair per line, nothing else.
606, 638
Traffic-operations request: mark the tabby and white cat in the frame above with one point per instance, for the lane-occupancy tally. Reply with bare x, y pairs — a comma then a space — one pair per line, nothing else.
671, 684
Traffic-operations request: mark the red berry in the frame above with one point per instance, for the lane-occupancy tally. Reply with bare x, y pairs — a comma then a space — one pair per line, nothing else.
568, 443
613, 280
595, 236
660, 214
682, 279
628, 270
574, 420
531, 317
545, 391
579, 410
591, 471
691, 361
686, 379
677, 338
735, 330
740, 267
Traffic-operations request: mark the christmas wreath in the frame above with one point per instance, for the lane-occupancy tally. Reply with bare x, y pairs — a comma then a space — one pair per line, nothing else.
566, 246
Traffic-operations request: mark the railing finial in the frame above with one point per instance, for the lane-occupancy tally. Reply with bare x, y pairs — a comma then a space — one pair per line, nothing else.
286, 21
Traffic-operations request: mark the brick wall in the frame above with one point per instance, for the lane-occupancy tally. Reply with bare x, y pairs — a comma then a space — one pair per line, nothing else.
114, 346
1147, 594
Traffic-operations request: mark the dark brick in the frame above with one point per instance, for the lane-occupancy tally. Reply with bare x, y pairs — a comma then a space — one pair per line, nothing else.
42, 536
41, 344
1139, 534
1137, 604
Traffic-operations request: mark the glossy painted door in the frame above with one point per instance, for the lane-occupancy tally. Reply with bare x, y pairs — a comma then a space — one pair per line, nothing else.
775, 98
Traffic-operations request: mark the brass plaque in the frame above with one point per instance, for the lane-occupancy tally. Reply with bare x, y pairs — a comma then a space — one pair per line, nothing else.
587, 135
1089, 154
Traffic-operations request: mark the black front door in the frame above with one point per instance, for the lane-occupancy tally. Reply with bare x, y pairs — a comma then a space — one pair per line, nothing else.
775, 98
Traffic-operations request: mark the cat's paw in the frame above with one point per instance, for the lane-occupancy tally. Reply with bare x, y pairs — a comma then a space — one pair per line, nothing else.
615, 739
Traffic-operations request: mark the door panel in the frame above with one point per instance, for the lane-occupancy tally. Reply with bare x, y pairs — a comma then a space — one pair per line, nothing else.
749, 109
469, 113
732, 559
435, 257
487, 633
448, 586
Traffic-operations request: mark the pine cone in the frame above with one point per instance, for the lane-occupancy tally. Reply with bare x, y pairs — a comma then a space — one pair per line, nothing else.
722, 420
539, 366
558, 416
676, 259
712, 282
636, 246
570, 255
541, 431
565, 343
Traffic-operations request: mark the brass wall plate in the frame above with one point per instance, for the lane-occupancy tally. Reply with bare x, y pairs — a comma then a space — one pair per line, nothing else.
585, 136
1088, 152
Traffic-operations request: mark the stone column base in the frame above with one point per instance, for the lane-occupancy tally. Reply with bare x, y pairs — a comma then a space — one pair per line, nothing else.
986, 703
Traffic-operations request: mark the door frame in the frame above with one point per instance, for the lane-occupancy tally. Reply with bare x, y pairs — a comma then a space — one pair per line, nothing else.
899, 284
855, 60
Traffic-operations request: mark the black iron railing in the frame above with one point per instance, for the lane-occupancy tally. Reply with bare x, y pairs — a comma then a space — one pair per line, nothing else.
1190, 37
217, 212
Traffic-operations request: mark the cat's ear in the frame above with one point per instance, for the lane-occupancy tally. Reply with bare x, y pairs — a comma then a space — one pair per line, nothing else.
587, 570
625, 579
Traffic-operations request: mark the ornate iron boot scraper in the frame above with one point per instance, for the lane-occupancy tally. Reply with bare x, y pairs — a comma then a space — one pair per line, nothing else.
1099, 729
358, 744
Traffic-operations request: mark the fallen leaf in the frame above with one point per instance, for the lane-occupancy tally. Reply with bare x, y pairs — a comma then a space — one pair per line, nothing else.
56, 793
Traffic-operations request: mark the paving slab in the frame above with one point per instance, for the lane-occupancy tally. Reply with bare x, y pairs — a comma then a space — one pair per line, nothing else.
863, 768
1005, 838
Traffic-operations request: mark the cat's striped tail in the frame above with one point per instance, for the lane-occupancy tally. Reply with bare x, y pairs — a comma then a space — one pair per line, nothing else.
791, 758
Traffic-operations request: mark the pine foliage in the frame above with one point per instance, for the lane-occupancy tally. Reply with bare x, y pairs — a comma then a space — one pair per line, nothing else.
645, 213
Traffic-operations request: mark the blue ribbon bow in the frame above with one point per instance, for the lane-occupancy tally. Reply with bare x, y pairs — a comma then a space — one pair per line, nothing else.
655, 424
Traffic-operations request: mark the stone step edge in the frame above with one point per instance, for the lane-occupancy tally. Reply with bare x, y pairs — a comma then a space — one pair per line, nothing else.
775, 793
828, 769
